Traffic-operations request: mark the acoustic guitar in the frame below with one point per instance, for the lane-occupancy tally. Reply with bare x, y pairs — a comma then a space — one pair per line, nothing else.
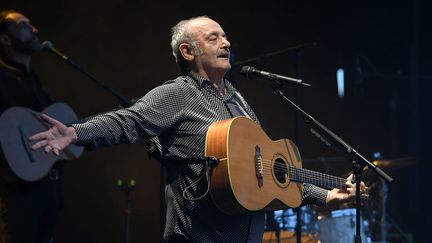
19, 123
255, 172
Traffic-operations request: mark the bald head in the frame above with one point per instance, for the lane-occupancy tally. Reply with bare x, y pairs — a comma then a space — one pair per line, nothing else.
180, 33
200, 45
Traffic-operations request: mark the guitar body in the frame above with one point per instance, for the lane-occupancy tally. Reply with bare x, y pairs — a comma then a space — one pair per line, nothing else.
252, 173
19, 123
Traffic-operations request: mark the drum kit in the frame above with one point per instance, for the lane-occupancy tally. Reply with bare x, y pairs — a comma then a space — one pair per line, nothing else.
336, 223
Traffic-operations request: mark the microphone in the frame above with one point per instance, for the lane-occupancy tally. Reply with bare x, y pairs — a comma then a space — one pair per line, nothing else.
250, 72
49, 46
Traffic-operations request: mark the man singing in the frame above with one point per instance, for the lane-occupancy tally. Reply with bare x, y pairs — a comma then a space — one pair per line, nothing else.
176, 116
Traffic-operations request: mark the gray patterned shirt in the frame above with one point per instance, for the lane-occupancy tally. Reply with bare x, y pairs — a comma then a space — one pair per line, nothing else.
176, 116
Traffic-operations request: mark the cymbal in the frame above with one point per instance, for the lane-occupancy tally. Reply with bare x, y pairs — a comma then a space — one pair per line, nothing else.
395, 163
387, 165
341, 166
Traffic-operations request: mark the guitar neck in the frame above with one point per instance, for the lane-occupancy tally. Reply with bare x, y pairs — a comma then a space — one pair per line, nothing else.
316, 178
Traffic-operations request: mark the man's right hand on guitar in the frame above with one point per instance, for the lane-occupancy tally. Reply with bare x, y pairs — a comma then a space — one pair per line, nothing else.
55, 139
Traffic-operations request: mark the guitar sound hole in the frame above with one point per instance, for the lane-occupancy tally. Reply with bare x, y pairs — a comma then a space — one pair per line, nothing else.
280, 170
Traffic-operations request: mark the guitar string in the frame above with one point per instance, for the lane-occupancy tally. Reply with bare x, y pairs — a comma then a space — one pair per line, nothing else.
319, 181
312, 179
282, 167
305, 175
322, 182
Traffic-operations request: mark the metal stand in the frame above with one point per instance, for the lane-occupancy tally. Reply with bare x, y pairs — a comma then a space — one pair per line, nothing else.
123, 102
127, 188
383, 221
359, 161
357, 169
273, 225
298, 228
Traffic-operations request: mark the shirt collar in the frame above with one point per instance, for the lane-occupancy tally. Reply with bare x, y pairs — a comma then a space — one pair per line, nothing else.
203, 81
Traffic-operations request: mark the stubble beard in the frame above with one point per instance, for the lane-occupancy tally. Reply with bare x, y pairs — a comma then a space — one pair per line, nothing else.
29, 46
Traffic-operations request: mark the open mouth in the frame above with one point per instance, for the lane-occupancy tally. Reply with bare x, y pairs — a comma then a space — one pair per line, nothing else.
224, 55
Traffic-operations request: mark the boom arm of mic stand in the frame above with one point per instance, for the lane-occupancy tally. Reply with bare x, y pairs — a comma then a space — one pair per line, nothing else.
348, 149
123, 101
359, 162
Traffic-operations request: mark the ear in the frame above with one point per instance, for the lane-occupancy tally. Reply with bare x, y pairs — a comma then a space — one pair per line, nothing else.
186, 52
5, 40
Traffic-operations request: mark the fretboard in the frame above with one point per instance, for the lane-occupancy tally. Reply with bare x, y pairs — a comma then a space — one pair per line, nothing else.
315, 178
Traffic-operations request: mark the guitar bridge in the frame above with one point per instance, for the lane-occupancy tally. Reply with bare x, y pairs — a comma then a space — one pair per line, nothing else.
259, 170
26, 144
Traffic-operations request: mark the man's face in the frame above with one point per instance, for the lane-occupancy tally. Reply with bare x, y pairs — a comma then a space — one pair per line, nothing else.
24, 36
212, 41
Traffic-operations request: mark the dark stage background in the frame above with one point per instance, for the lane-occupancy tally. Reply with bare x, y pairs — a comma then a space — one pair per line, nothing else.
126, 45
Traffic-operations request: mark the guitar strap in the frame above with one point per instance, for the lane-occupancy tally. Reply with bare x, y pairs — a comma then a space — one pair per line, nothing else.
235, 106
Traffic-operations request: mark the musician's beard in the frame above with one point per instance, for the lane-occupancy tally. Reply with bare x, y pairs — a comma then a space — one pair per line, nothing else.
29, 46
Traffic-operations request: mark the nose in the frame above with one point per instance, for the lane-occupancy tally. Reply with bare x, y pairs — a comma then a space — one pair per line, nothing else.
34, 29
226, 43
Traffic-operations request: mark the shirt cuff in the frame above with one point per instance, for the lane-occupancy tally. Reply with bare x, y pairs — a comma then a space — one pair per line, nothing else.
314, 195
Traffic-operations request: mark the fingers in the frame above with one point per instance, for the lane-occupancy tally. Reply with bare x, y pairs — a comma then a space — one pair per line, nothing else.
362, 186
37, 136
47, 149
56, 152
39, 144
351, 179
51, 120
40, 136
351, 187
43, 143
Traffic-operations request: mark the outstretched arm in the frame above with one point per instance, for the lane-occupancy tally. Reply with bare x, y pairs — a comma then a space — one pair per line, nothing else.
55, 139
147, 118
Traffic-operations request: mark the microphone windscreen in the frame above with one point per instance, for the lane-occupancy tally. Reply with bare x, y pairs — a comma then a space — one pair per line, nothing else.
247, 71
47, 45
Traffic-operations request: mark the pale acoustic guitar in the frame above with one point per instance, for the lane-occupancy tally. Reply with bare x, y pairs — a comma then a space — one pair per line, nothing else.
19, 123
255, 172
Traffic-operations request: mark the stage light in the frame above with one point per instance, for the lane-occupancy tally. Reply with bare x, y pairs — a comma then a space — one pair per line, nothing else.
340, 77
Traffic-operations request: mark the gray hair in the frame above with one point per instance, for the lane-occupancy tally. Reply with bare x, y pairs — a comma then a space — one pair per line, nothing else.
179, 35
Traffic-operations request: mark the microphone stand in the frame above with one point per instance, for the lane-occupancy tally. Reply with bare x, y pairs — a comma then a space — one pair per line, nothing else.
127, 188
298, 211
123, 101
359, 161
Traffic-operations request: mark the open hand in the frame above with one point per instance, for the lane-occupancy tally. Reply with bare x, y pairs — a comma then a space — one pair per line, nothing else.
55, 139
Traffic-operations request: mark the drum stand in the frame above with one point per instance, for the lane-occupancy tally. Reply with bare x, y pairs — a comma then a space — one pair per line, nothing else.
273, 225
383, 219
